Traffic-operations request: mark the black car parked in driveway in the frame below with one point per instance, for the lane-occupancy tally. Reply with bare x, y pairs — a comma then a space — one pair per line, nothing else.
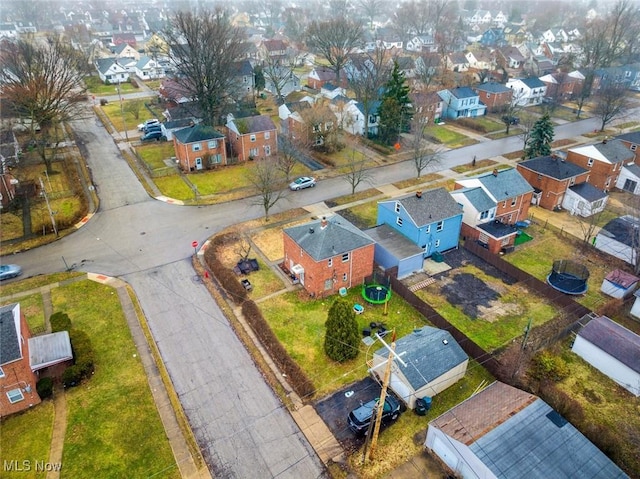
360, 418
153, 135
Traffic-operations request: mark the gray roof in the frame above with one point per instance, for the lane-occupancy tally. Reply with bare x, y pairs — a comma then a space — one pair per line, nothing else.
615, 340
257, 124
180, 123
498, 229
337, 237
615, 151
633, 169
9, 333
463, 92
104, 64
426, 354
631, 137
394, 242
478, 198
492, 87
533, 82
505, 184
196, 133
623, 229
588, 192
432, 206
553, 167
49, 349
539, 443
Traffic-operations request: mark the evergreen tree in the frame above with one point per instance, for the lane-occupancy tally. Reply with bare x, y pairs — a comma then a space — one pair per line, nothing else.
342, 337
540, 139
395, 110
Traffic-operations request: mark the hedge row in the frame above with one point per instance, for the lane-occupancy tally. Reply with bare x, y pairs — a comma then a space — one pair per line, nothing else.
84, 356
299, 381
227, 278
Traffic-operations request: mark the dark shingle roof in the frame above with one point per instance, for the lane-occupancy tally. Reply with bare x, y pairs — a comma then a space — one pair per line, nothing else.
615, 340
624, 230
553, 167
9, 332
427, 355
463, 92
633, 168
256, 124
432, 206
588, 192
492, 87
632, 137
533, 82
615, 151
337, 237
197, 133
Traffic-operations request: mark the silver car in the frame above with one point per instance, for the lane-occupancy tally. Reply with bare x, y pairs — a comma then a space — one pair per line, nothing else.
302, 182
8, 271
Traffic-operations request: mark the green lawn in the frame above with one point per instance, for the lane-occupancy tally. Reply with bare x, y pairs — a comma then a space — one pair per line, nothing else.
33, 310
154, 154
121, 118
507, 319
449, 138
97, 87
299, 325
174, 187
489, 124
223, 179
27, 437
112, 420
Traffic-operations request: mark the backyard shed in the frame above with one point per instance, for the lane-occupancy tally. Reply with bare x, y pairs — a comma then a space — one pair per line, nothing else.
434, 362
612, 349
619, 284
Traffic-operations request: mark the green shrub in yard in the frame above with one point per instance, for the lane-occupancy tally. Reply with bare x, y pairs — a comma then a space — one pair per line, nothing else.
84, 359
71, 376
60, 322
226, 278
548, 366
342, 336
45, 388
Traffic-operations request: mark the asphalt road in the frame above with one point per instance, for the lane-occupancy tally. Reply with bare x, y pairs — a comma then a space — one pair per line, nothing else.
242, 428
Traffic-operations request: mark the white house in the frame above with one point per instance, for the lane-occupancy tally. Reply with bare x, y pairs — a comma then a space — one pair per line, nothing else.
111, 71
613, 350
584, 199
619, 284
148, 69
434, 361
527, 91
629, 178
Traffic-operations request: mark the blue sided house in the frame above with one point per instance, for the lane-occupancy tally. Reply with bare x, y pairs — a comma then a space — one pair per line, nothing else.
413, 227
461, 102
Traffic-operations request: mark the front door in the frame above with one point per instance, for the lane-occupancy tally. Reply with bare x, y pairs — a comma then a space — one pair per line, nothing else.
198, 163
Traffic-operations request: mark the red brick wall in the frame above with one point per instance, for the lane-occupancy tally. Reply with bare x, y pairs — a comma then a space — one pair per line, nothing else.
518, 212
599, 172
552, 190
241, 145
187, 157
494, 101
628, 144
18, 374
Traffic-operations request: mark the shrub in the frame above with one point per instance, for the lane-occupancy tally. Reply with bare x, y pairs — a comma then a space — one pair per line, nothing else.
45, 388
342, 336
84, 358
472, 124
60, 322
546, 365
71, 376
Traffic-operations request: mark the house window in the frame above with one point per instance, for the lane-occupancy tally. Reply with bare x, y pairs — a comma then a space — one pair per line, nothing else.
572, 181
15, 395
504, 204
428, 229
267, 150
397, 207
484, 215
437, 243
590, 162
267, 135
596, 204
344, 277
539, 177
633, 147
399, 221
196, 147
606, 185
488, 95
253, 152
345, 257
330, 262
213, 144
513, 202
440, 226
328, 284
252, 138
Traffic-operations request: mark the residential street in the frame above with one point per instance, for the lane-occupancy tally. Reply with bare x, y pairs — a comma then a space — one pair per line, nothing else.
242, 428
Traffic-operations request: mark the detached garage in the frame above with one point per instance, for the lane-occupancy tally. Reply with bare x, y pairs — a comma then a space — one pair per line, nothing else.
612, 349
434, 361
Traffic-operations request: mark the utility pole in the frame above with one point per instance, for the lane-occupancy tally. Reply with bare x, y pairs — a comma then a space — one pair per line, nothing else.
46, 199
383, 393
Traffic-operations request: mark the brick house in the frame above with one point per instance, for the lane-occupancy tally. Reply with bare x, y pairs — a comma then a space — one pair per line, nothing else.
563, 86
17, 380
319, 76
253, 137
327, 254
199, 147
603, 160
427, 106
495, 96
632, 142
492, 204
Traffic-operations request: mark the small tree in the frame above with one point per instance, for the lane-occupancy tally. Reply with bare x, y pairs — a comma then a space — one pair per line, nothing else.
134, 107
356, 172
395, 112
611, 103
342, 336
269, 183
421, 153
539, 142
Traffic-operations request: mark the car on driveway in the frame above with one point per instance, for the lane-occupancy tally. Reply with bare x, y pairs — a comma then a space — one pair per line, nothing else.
152, 135
154, 127
360, 418
147, 123
302, 182
8, 271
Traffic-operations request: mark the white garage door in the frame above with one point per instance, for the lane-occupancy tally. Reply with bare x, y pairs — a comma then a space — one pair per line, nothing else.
445, 453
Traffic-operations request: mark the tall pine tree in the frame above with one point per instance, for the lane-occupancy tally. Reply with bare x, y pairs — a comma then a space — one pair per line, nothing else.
395, 109
540, 139
342, 337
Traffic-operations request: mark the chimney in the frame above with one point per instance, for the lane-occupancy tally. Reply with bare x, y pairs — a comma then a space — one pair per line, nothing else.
495, 172
323, 223
418, 194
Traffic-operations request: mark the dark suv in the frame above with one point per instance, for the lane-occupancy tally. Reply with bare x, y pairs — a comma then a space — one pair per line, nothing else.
360, 418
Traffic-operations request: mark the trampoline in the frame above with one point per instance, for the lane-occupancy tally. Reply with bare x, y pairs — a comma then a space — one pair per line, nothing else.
568, 277
376, 292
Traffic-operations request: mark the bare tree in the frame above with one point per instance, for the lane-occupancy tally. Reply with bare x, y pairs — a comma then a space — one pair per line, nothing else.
269, 182
589, 225
320, 124
335, 39
356, 171
290, 148
205, 48
412, 17
416, 142
371, 9
279, 71
42, 82
526, 127
134, 107
611, 102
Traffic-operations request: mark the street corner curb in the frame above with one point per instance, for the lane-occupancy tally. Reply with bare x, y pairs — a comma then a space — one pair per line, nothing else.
83, 221
103, 279
171, 201
203, 248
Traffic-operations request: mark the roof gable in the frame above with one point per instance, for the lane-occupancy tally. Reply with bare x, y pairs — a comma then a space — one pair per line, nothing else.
337, 237
588, 192
430, 206
501, 185
553, 167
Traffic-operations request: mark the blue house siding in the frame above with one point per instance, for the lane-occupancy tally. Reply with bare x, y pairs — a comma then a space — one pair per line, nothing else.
462, 102
406, 266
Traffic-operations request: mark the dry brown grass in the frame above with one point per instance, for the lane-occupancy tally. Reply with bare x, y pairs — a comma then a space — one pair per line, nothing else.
423, 180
